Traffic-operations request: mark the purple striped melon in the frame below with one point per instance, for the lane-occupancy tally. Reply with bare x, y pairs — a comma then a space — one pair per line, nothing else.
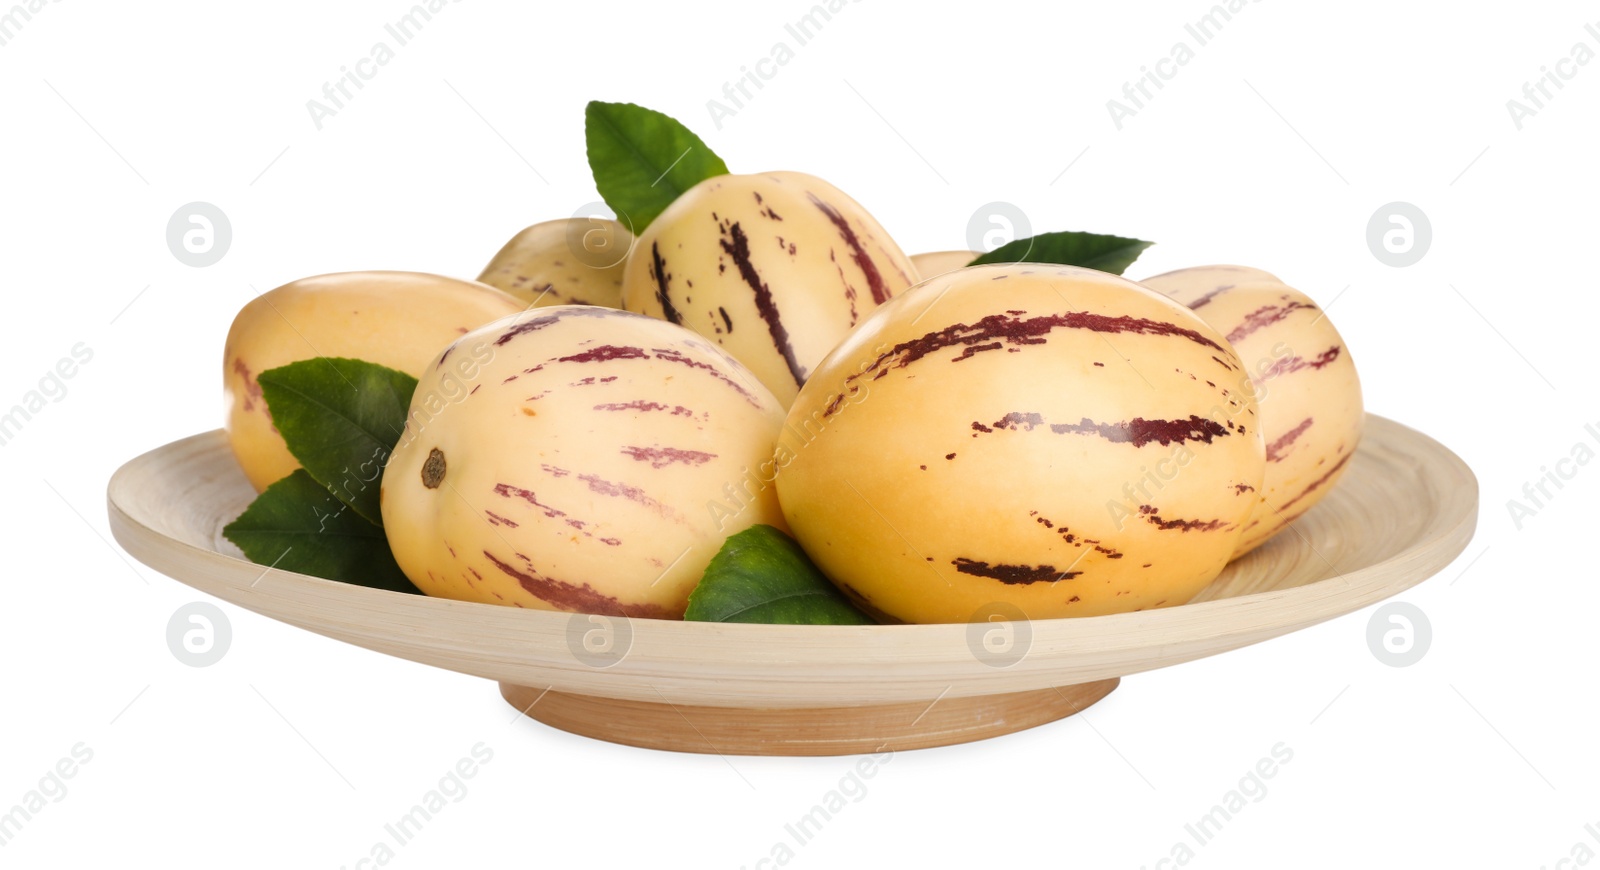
576, 261
578, 458
1052, 439
775, 268
1301, 374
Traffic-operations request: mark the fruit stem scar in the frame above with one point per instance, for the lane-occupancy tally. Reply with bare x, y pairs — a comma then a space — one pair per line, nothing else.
433, 469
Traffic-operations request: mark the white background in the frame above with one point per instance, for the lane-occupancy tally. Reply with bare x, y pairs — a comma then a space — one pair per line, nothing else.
1272, 148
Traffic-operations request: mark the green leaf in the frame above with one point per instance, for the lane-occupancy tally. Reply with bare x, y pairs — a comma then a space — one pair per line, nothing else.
643, 160
762, 575
1091, 250
296, 525
341, 419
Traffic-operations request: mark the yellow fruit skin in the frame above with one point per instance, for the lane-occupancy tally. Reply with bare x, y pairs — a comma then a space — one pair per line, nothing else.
775, 268
993, 437
592, 460
1301, 373
577, 261
936, 263
395, 319
1198, 281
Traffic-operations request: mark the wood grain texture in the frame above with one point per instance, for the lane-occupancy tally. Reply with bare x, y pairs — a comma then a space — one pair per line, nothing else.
803, 730
1404, 510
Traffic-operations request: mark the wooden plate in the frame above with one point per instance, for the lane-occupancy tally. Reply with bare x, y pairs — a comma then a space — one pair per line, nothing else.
1404, 510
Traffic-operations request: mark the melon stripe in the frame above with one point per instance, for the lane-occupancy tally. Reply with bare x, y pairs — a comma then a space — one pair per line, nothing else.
1154, 518
1207, 297
601, 486
1290, 365
537, 323
1012, 574
644, 405
578, 598
998, 330
1316, 484
739, 250
1137, 432
677, 356
863, 261
1265, 316
661, 457
528, 495
609, 353
605, 353
658, 271
1275, 450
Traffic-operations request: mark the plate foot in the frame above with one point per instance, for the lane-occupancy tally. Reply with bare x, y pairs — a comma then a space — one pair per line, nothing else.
804, 730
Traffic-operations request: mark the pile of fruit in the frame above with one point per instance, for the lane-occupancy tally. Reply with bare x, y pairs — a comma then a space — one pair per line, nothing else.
741, 401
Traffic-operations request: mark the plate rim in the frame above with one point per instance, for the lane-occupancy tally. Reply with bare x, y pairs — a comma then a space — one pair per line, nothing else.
867, 653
